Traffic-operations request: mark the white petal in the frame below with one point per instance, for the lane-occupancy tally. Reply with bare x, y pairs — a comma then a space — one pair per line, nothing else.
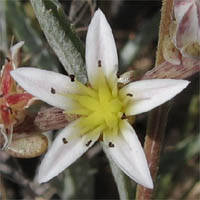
148, 94
188, 27
61, 155
14, 50
40, 83
128, 154
100, 45
181, 7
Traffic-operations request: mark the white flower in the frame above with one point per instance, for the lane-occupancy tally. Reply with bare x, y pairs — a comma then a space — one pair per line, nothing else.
102, 107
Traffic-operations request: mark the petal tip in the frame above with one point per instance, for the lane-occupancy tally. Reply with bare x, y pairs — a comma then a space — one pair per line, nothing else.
17, 73
184, 84
13, 73
99, 19
149, 184
41, 180
17, 46
145, 179
98, 12
43, 175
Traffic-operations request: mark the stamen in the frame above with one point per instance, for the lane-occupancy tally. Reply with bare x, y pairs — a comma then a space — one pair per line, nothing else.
8, 59
129, 95
72, 77
65, 141
85, 89
89, 142
53, 91
123, 116
1, 95
111, 145
10, 109
99, 63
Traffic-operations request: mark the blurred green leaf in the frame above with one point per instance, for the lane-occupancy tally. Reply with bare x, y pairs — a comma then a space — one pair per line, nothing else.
123, 183
193, 115
173, 160
184, 151
23, 30
61, 36
194, 192
147, 33
3, 29
77, 181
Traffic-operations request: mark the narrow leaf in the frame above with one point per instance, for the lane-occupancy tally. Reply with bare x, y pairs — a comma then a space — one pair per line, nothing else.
3, 31
61, 36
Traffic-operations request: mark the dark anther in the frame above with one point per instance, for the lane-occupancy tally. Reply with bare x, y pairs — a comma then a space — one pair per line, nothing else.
129, 94
110, 144
123, 116
8, 59
1, 95
65, 141
89, 142
99, 63
53, 91
10, 110
118, 75
72, 77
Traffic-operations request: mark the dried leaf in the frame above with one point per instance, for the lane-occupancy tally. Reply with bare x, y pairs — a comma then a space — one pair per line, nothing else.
28, 146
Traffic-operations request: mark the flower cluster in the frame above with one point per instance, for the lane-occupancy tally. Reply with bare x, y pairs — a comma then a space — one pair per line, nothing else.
13, 99
102, 105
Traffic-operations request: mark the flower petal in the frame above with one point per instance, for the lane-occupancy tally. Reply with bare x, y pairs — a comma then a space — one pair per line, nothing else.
128, 154
148, 94
188, 27
48, 86
66, 148
14, 51
170, 53
100, 46
181, 7
19, 101
6, 80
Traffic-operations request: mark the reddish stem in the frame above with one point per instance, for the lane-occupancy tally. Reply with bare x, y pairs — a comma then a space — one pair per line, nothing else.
158, 117
153, 142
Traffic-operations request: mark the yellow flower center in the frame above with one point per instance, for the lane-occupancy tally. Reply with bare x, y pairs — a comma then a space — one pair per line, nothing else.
100, 108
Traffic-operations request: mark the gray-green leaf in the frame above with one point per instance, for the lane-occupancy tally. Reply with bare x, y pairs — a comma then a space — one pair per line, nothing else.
61, 36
